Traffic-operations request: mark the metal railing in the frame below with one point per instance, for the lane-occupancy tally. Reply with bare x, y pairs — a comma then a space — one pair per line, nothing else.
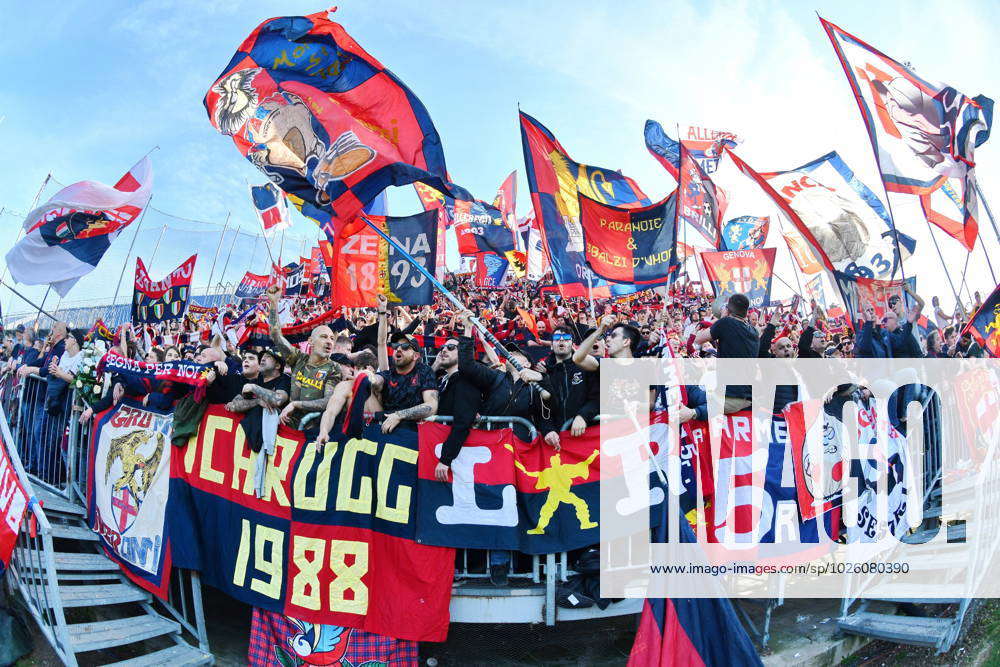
59, 446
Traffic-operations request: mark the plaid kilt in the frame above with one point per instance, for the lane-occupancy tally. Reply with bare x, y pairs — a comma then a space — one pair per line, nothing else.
270, 632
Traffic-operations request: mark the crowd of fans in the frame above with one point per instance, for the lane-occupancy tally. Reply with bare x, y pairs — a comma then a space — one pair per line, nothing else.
422, 361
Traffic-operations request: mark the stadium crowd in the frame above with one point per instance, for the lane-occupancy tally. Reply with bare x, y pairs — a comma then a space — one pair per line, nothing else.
405, 364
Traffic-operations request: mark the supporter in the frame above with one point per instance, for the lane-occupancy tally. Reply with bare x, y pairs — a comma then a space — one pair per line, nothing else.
575, 392
812, 340
735, 338
313, 375
459, 399
407, 387
340, 406
966, 347
622, 343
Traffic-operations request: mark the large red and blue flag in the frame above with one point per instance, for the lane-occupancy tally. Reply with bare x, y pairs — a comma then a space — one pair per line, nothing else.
165, 299
556, 181
325, 120
746, 272
630, 245
66, 237
701, 204
985, 325
924, 134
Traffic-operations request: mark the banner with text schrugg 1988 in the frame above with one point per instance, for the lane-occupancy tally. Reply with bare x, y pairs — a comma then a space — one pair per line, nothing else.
128, 489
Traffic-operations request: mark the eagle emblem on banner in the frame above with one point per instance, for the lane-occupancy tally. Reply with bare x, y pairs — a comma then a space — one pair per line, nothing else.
136, 473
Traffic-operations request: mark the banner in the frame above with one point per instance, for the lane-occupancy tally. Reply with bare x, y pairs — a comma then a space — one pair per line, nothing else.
365, 265
843, 214
800, 251
332, 540
704, 144
630, 245
491, 270
327, 122
66, 237
744, 232
985, 325
292, 273
742, 272
165, 299
700, 203
185, 372
271, 206
858, 293
924, 134
506, 202
252, 286
13, 503
128, 487
556, 182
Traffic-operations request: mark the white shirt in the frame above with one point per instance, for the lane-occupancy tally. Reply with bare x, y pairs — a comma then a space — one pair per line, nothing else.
71, 364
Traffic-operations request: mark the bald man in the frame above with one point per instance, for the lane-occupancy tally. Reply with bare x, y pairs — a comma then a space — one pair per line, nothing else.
314, 375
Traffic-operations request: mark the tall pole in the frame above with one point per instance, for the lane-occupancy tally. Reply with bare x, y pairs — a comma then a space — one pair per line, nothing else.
217, 249
236, 235
253, 253
156, 247
128, 255
40, 311
996, 233
20, 232
27, 300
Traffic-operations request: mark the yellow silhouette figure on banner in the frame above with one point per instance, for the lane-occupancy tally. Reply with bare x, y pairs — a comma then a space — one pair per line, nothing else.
558, 479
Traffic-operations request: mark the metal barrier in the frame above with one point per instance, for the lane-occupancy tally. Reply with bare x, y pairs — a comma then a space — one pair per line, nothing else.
41, 435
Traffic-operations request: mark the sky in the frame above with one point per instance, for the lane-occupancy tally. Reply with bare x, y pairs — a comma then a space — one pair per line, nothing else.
89, 88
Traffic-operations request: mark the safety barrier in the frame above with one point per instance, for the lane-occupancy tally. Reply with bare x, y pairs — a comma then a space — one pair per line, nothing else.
59, 448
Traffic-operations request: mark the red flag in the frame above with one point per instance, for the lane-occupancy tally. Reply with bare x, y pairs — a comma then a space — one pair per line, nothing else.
529, 321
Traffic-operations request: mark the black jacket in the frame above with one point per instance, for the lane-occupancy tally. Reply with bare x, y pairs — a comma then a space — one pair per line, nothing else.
460, 399
503, 396
574, 392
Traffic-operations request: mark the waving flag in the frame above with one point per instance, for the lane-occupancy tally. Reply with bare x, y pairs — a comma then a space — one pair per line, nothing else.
66, 237
165, 299
859, 293
491, 269
364, 265
705, 145
924, 134
846, 217
985, 325
701, 203
251, 286
630, 245
506, 202
326, 121
271, 206
556, 182
482, 228
292, 273
742, 272
99, 332
538, 260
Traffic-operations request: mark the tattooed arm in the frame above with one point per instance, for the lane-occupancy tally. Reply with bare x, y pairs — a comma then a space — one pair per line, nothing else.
274, 326
242, 404
416, 413
267, 397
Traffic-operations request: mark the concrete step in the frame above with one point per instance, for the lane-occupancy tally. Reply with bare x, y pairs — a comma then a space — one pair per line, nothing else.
69, 532
917, 631
105, 634
175, 656
96, 596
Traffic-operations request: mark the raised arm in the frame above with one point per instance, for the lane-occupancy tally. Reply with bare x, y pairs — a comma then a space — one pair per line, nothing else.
284, 348
582, 356
383, 333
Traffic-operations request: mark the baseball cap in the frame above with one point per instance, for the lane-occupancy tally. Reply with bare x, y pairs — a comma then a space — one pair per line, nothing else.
397, 338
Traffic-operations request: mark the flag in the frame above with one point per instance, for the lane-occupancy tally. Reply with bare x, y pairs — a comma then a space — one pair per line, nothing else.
251, 286
326, 121
66, 237
742, 272
846, 217
271, 206
814, 291
744, 232
859, 293
985, 325
924, 134
292, 273
804, 257
481, 228
100, 332
365, 265
681, 632
165, 299
701, 204
704, 144
538, 260
556, 182
667, 151
491, 269
506, 202
630, 245
529, 320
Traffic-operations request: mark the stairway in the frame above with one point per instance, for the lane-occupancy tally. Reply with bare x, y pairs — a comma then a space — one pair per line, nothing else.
109, 620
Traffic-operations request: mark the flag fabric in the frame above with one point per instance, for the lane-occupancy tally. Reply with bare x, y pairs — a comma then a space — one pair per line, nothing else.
804, 258
685, 632
506, 202
484, 227
704, 144
814, 291
924, 134
701, 203
556, 181
100, 332
848, 220
365, 265
746, 272
292, 274
538, 260
667, 151
326, 121
859, 293
165, 299
66, 237
271, 206
251, 286
985, 325
744, 232
491, 270
630, 245
529, 320
13, 504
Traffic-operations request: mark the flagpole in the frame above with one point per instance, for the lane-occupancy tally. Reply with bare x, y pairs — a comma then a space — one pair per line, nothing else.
156, 247
218, 248
485, 332
20, 232
989, 214
128, 255
225, 266
44, 297
951, 283
29, 301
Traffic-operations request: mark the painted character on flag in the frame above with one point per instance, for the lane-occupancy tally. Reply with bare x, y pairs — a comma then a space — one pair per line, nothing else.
135, 473
745, 231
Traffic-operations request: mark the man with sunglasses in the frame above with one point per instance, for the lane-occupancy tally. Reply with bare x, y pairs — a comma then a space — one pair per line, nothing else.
459, 399
407, 386
575, 392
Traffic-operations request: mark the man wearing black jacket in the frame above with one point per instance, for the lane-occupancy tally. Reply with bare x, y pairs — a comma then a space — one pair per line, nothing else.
459, 399
575, 392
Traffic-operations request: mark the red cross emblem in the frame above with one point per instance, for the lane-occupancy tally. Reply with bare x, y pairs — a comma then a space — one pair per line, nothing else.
126, 509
